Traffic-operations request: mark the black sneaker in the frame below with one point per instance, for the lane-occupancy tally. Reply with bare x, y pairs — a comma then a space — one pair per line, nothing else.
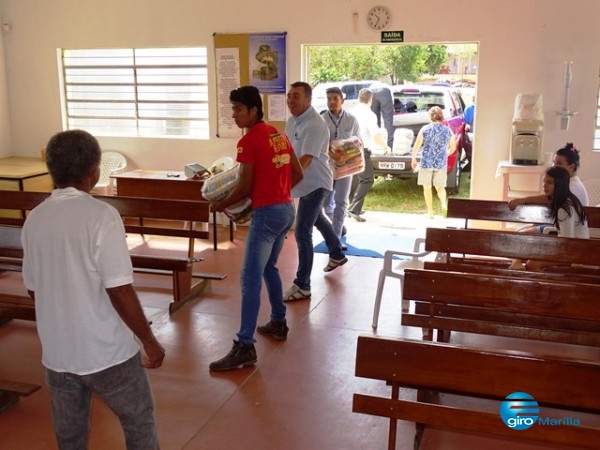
277, 330
239, 356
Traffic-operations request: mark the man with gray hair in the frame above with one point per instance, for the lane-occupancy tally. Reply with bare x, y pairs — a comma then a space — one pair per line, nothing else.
77, 268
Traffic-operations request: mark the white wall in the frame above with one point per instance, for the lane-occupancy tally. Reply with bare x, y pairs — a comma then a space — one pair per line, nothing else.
523, 45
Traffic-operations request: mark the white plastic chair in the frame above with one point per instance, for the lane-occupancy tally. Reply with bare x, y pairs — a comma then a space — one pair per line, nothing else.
112, 163
592, 186
397, 271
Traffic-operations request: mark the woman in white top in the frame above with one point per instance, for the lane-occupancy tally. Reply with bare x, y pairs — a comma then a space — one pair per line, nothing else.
564, 209
566, 157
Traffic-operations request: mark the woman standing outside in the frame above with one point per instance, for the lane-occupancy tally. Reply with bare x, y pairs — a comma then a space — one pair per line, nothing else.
437, 141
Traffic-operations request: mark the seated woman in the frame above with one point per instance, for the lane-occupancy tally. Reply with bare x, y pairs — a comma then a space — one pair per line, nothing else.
568, 158
565, 210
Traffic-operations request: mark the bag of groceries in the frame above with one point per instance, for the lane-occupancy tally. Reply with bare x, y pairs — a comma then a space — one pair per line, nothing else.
352, 159
219, 185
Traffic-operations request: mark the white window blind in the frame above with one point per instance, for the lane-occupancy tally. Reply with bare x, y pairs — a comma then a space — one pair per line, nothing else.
143, 92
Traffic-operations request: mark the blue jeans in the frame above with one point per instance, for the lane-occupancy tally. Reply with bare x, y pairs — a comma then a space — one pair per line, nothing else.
126, 391
267, 233
310, 214
337, 202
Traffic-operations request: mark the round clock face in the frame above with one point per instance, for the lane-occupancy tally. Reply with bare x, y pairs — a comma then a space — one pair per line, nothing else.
379, 18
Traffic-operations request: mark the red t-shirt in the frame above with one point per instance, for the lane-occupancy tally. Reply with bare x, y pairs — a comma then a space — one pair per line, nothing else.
269, 152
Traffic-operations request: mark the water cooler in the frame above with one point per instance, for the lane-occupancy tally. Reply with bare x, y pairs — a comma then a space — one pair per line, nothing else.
527, 130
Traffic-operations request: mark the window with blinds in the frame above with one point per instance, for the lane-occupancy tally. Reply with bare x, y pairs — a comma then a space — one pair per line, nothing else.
141, 92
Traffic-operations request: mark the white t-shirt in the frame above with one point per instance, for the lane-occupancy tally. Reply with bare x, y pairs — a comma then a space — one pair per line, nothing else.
74, 248
576, 187
367, 122
569, 226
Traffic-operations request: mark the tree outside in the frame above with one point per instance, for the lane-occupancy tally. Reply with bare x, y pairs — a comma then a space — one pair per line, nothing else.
395, 63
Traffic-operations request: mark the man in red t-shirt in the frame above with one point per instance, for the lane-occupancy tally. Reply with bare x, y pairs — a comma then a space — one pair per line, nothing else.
268, 170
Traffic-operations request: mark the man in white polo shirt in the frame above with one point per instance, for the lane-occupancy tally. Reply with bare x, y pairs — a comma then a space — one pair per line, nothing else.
77, 268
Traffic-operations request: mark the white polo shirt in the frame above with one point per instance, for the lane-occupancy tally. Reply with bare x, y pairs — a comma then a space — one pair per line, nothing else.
74, 248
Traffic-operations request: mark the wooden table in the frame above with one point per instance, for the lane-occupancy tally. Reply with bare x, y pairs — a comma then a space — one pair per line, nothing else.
19, 173
163, 184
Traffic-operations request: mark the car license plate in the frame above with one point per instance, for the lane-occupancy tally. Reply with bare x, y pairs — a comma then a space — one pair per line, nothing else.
391, 165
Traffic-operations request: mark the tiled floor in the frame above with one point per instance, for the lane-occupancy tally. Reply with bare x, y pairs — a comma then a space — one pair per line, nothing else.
297, 397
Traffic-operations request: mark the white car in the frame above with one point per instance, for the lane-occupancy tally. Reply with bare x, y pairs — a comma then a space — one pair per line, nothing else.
349, 89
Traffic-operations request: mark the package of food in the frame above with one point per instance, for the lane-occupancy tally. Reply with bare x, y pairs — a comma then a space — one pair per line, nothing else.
218, 186
353, 158
240, 212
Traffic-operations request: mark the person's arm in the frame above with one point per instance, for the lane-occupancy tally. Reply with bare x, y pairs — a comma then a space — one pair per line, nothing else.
241, 190
297, 171
125, 301
541, 199
416, 148
306, 160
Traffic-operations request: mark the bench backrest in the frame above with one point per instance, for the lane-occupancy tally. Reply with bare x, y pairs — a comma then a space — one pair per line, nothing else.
496, 305
191, 211
508, 244
459, 208
481, 372
498, 211
553, 382
152, 208
473, 267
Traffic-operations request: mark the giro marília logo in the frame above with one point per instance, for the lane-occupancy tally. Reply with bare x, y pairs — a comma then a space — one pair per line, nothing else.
519, 411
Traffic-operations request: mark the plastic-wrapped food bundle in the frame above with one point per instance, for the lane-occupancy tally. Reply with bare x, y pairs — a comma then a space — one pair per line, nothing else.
403, 140
353, 159
218, 186
240, 212
528, 106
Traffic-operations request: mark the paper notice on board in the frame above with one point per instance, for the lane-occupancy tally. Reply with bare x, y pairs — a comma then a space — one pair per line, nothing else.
228, 79
277, 107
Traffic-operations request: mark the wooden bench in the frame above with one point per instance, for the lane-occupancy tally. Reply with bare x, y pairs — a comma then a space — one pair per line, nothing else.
498, 211
160, 215
479, 248
545, 310
11, 391
437, 369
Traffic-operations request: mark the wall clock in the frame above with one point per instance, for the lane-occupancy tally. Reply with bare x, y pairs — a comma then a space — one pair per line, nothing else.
379, 18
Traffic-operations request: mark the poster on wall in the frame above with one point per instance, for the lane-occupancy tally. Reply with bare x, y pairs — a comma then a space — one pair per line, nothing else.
228, 79
267, 62
258, 59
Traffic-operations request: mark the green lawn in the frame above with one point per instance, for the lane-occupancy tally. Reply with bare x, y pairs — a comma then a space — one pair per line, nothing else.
404, 196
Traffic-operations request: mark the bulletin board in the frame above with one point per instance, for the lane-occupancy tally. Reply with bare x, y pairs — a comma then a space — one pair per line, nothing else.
257, 59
